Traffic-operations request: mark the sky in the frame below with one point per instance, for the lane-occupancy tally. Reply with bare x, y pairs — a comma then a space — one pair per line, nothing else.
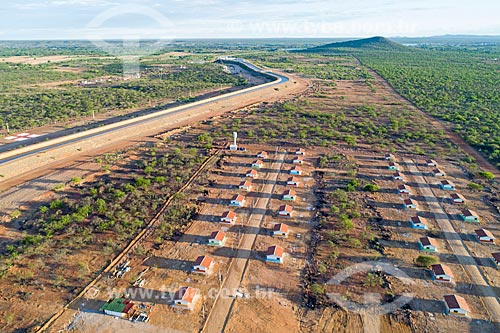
174, 19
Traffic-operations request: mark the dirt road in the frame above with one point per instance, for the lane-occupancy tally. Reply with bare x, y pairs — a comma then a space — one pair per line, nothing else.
218, 316
483, 289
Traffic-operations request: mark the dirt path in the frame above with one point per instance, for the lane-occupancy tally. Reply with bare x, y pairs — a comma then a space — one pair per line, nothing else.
481, 161
219, 315
456, 243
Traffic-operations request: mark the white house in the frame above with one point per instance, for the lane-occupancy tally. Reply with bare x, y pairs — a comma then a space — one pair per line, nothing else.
262, 154
456, 305
285, 210
457, 198
258, 164
431, 163
245, 185
300, 151
252, 174
238, 200
397, 176
428, 244
418, 223
186, 298
438, 173
217, 238
296, 170
469, 215
484, 236
409, 204
447, 185
293, 181
203, 265
442, 272
403, 189
280, 230
228, 217
389, 157
289, 195
298, 160
275, 254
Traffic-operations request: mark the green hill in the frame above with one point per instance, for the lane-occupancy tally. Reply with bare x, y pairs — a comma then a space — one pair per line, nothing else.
372, 43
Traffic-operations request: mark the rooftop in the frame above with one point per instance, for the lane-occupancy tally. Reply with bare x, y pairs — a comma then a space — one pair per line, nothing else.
275, 250
456, 302
440, 269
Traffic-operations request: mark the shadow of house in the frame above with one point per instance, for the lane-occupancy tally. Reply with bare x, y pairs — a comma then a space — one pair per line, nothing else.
393, 205
425, 199
427, 305
392, 243
167, 263
87, 305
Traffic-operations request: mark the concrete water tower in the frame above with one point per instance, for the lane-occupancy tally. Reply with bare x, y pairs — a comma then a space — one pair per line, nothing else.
234, 146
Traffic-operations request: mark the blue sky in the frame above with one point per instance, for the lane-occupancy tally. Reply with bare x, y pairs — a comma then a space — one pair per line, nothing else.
170, 19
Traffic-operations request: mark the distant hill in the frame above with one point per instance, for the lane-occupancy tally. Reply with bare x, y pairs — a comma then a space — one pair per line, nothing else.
372, 43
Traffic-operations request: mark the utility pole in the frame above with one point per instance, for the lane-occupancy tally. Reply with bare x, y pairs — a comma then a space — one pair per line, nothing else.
7, 125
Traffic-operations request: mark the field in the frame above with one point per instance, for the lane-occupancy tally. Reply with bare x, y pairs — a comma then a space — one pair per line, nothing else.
347, 211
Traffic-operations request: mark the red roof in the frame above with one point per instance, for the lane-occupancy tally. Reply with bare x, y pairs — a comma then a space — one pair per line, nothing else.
440, 269
293, 179
426, 241
456, 302
289, 192
276, 250
396, 174
204, 261
186, 293
417, 219
218, 235
258, 162
286, 208
468, 212
300, 150
262, 153
229, 214
496, 256
238, 197
246, 183
455, 196
445, 182
299, 158
129, 305
402, 187
280, 227
252, 172
437, 171
408, 201
296, 168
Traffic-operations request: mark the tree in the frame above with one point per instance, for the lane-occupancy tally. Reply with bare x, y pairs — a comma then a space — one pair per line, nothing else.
487, 174
426, 261
371, 187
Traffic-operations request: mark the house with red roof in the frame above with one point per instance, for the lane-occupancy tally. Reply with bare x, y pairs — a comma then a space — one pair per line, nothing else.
456, 305
442, 272
285, 210
275, 254
186, 298
228, 217
280, 230
203, 265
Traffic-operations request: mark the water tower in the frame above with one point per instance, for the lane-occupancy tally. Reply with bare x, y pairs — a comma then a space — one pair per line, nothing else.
234, 146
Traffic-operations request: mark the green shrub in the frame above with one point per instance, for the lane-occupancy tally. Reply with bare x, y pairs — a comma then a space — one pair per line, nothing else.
426, 261
475, 186
371, 187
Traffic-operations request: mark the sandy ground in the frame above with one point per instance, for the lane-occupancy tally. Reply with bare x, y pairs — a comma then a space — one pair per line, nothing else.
42, 60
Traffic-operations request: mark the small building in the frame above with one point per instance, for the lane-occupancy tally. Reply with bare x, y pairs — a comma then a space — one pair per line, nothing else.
258, 164
296, 170
409, 204
442, 272
228, 217
186, 298
496, 258
469, 215
456, 305
252, 174
438, 173
457, 198
217, 238
203, 265
245, 185
484, 236
298, 160
262, 154
293, 181
117, 307
289, 195
392, 166
389, 157
418, 223
431, 163
275, 254
397, 176
428, 244
300, 151
403, 189
280, 230
447, 185
285, 210
238, 200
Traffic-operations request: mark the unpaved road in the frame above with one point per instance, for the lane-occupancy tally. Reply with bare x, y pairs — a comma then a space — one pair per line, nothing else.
484, 290
221, 310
